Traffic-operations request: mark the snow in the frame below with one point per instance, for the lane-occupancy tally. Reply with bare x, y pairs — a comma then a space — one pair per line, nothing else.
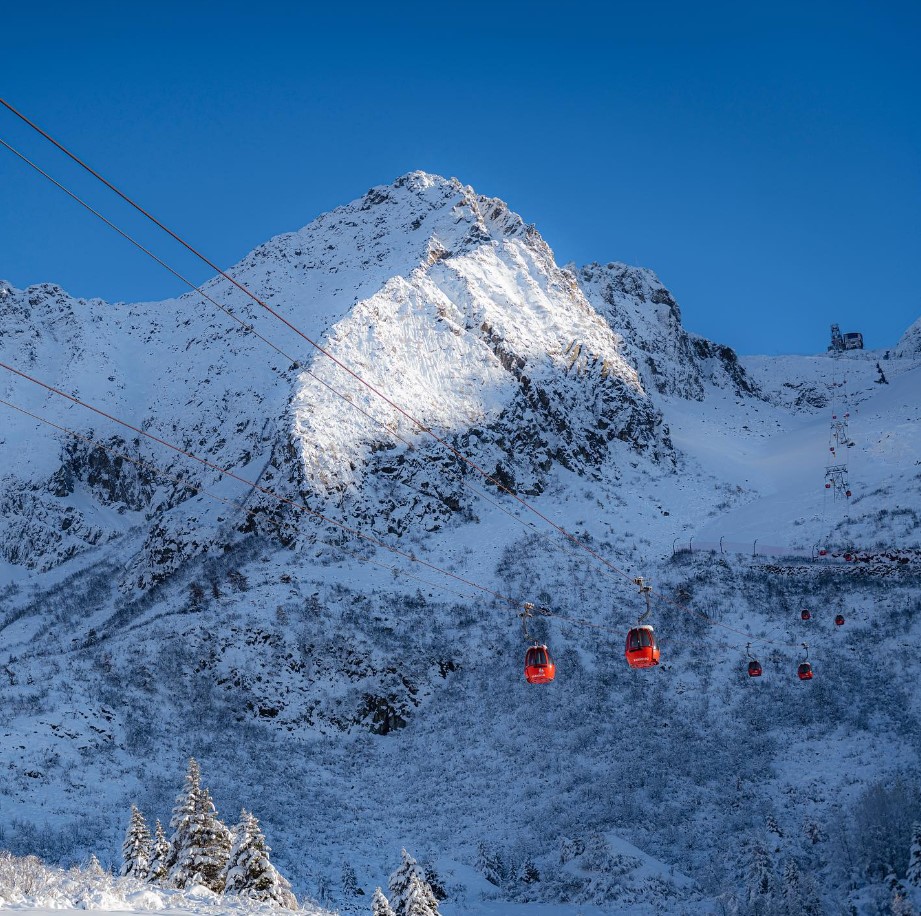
356, 710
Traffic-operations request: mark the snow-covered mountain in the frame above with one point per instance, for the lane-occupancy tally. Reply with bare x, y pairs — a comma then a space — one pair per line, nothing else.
359, 702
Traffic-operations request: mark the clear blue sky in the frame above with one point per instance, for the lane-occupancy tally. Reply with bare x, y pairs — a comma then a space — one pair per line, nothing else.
764, 160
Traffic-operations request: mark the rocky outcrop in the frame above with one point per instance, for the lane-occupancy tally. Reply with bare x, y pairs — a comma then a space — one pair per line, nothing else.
646, 316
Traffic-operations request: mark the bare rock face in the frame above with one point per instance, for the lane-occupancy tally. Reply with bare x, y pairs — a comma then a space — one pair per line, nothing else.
645, 314
910, 343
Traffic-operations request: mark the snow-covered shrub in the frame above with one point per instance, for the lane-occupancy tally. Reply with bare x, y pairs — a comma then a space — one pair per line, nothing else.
882, 823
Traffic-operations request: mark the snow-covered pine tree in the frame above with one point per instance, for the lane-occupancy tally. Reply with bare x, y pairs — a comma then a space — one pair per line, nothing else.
761, 883
913, 874
201, 843
203, 858
420, 901
249, 872
400, 885
349, 882
136, 848
792, 891
159, 856
528, 873
380, 905
183, 812
489, 864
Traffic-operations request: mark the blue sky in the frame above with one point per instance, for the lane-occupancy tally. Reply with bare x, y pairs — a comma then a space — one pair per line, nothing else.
764, 160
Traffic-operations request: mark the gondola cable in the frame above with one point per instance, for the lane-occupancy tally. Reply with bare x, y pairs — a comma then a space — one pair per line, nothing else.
198, 489
374, 390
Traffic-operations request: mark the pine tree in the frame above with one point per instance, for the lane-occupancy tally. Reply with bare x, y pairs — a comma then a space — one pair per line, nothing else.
792, 891
349, 882
490, 865
913, 875
408, 881
204, 858
136, 848
420, 901
249, 871
183, 812
761, 883
380, 905
201, 843
159, 856
528, 873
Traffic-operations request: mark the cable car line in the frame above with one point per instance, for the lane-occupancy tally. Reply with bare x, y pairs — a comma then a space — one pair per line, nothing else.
317, 346
372, 388
251, 329
256, 486
294, 504
195, 488
546, 612
295, 363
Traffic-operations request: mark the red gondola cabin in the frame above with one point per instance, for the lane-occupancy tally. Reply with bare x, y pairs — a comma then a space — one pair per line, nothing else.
839, 620
754, 668
538, 665
804, 671
642, 649
805, 615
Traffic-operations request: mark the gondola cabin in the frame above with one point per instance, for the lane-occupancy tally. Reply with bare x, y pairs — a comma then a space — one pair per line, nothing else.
839, 620
754, 668
804, 671
805, 615
642, 650
539, 667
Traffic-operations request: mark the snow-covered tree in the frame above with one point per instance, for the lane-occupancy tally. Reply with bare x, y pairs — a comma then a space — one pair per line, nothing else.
249, 872
159, 856
420, 901
380, 905
913, 874
408, 882
201, 843
136, 848
349, 882
761, 882
489, 864
528, 873
184, 811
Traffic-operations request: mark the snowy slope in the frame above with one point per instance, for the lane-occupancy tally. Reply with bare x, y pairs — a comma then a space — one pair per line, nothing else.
444, 299
357, 709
